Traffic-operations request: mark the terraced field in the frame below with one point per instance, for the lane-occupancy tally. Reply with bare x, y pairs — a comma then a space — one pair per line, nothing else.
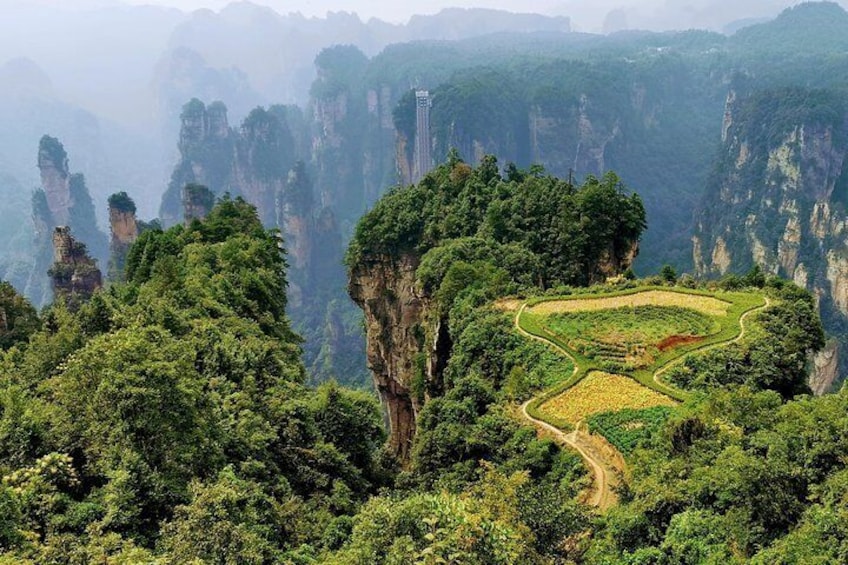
599, 393
620, 345
626, 428
626, 338
639, 331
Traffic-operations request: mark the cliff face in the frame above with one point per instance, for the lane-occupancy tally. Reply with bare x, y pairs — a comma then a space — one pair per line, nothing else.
63, 200
271, 162
206, 148
197, 201
385, 288
778, 199
252, 162
55, 178
124, 229
74, 274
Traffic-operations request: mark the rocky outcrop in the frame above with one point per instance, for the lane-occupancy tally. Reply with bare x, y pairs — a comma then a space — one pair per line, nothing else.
779, 201
198, 201
74, 274
385, 288
251, 162
206, 146
124, 228
295, 205
55, 178
62, 200
826, 368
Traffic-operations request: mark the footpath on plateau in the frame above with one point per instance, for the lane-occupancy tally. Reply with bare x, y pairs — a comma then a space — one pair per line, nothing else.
606, 470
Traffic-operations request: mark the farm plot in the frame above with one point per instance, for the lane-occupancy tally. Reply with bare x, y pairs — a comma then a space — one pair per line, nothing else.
627, 428
709, 305
638, 331
599, 393
627, 338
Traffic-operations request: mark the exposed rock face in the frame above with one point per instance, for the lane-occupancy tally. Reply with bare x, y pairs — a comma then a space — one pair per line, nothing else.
252, 162
385, 288
206, 154
63, 200
294, 215
124, 229
123, 226
780, 202
74, 274
198, 201
613, 262
55, 178
826, 371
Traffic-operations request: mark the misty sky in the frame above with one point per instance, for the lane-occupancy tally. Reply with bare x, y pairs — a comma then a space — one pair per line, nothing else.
390, 10
587, 15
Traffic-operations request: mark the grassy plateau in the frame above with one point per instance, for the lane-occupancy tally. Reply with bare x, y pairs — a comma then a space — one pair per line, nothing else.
620, 343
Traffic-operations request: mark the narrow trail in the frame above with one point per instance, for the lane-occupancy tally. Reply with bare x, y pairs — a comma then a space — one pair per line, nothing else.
604, 474
673, 363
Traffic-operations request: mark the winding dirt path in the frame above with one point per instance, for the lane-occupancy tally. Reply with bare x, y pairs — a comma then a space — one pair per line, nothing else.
602, 495
682, 358
604, 474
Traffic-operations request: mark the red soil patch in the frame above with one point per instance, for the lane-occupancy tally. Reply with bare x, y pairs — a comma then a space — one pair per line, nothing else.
676, 340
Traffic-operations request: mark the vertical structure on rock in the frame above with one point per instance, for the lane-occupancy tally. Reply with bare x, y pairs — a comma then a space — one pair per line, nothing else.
62, 200
423, 158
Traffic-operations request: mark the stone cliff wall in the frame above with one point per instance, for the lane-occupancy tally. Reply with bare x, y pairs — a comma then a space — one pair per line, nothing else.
779, 202
124, 230
55, 178
74, 274
385, 288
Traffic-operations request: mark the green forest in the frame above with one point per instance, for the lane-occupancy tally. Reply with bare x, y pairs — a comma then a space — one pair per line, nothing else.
167, 419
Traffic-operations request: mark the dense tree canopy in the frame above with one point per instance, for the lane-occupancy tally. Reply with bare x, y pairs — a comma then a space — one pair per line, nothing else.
168, 415
567, 233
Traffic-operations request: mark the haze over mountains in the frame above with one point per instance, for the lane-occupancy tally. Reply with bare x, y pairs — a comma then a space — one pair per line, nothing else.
599, 282
92, 70
112, 82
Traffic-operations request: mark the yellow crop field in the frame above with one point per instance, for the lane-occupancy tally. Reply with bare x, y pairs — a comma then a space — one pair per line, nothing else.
602, 392
705, 304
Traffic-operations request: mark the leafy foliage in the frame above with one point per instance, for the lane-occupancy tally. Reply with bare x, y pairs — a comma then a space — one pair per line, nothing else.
122, 201
626, 429
565, 230
168, 417
18, 318
729, 478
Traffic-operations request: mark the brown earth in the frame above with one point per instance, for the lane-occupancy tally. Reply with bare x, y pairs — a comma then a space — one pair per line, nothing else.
676, 340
